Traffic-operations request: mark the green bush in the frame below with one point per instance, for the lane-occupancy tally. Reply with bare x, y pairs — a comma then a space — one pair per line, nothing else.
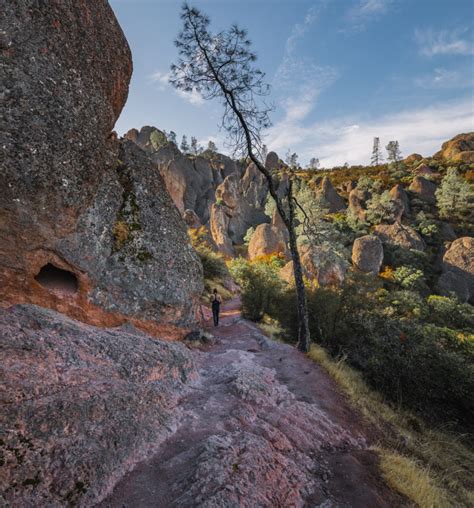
260, 285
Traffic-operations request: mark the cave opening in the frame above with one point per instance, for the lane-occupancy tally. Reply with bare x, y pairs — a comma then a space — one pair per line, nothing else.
52, 277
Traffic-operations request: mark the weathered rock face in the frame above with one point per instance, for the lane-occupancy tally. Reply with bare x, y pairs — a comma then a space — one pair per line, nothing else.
191, 219
267, 239
367, 254
86, 225
219, 225
329, 194
424, 170
357, 203
424, 189
458, 269
321, 266
459, 148
399, 235
191, 181
399, 194
81, 405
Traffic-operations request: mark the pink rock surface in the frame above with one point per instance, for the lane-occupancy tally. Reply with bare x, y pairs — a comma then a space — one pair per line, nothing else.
263, 426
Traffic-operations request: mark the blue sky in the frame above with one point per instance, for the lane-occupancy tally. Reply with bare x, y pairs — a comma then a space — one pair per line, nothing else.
342, 72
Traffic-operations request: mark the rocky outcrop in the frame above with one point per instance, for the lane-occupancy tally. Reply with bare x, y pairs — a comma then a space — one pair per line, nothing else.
399, 235
411, 159
321, 266
398, 193
190, 180
424, 170
459, 148
88, 228
191, 219
458, 270
219, 225
331, 197
424, 189
267, 239
80, 405
357, 203
367, 254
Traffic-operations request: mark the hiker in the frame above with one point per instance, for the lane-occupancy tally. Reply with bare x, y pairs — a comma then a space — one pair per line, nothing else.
216, 301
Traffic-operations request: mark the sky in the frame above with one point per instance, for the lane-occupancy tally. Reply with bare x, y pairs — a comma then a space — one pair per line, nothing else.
341, 72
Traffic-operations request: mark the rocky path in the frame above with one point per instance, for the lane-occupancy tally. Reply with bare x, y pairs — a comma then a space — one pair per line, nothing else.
262, 427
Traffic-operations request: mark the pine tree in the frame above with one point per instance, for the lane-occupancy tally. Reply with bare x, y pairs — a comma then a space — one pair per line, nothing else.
291, 159
195, 148
313, 164
376, 153
455, 196
211, 146
394, 153
172, 137
184, 145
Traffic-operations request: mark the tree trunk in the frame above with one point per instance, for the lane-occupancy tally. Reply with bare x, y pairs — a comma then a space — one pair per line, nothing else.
302, 302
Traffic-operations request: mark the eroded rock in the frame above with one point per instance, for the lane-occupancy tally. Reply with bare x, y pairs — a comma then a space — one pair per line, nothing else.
459, 148
458, 269
267, 239
400, 235
81, 405
367, 254
424, 189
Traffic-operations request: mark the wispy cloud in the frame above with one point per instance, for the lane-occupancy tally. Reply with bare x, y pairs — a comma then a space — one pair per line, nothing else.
444, 42
446, 78
364, 11
161, 79
299, 81
350, 140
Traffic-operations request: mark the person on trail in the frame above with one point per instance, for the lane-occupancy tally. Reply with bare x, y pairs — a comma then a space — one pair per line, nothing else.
216, 301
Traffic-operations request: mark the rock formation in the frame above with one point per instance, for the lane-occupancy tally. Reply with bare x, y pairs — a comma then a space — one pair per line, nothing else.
411, 159
424, 189
82, 405
458, 270
398, 193
357, 203
329, 194
424, 170
399, 235
87, 227
267, 239
367, 254
459, 148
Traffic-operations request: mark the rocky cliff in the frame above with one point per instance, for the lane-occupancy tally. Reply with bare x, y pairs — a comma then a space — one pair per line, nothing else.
86, 227
89, 236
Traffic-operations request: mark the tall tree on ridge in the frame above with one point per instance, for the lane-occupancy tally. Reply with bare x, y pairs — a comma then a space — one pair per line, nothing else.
184, 145
376, 153
221, 66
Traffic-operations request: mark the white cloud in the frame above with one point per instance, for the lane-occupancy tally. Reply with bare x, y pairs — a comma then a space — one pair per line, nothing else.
447, 78
363, 12
349, 140
161, 79
444, 42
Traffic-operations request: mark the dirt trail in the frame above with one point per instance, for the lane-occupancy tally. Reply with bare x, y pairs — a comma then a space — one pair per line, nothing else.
262, 427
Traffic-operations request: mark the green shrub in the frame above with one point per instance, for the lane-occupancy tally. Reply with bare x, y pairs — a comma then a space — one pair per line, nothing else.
260, 285
409, 277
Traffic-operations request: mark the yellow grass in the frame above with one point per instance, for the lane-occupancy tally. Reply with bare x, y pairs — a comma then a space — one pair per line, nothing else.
431, 467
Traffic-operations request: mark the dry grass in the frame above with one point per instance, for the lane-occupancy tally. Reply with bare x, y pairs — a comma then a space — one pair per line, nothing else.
432, 467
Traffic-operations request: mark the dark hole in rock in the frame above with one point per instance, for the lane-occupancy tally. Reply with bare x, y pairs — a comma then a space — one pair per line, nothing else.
52, 277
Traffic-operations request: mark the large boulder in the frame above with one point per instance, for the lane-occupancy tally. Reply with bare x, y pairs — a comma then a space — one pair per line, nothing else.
331, 197
458, 269
86, 224
367, 254
411, 159
357, 203
219, 226
80, 405
400, 235
459, 148
424, 170
424, 189
322, 266
267, 239
398, 193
